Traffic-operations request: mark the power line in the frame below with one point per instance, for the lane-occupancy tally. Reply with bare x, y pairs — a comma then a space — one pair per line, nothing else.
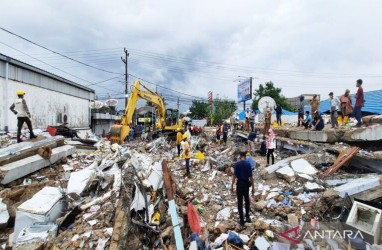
67, 57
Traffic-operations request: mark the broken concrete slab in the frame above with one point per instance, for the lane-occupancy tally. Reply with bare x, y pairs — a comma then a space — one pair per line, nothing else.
45, 206
302, 166
358, 185
276, 166
18, 169
305, 177
313, 187
4, 215
286, 173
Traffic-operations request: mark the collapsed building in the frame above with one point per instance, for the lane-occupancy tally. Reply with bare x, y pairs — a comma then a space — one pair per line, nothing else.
61, 194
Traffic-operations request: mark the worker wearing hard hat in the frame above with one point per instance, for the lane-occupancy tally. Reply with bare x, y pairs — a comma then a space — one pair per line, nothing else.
178, 140
20, 108
187, 155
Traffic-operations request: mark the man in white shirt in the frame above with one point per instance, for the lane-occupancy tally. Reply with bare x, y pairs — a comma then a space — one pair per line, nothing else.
334, 104
20, 108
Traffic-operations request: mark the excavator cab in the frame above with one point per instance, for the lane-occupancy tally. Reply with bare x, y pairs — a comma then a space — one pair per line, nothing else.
172, 117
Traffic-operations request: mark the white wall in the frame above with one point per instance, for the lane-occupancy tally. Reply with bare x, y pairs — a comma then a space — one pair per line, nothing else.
44, 106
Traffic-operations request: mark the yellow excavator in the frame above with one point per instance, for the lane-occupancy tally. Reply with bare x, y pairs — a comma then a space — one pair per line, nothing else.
168, 121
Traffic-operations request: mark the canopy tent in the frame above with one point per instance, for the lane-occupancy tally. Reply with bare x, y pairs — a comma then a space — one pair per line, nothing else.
373, 103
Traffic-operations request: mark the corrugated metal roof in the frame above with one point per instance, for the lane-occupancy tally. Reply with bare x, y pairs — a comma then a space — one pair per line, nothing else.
23, 65
373, 103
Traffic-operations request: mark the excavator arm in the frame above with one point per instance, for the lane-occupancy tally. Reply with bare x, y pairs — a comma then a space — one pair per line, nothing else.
118, 133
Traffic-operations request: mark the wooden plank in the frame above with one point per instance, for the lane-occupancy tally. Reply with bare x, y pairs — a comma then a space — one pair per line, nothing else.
29, 152
342, 160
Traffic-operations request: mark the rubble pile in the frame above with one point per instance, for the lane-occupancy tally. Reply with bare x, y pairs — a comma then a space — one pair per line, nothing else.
137, 196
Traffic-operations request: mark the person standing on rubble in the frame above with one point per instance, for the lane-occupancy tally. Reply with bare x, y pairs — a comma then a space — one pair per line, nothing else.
187, 155
346, 106
178, 140
267, 122
188, 134
314, 104
243, 177
252, 120
334, 103
251, 142
225, 132
20, 109
218, 133
271, 146
300, 110
359, 102
279, 112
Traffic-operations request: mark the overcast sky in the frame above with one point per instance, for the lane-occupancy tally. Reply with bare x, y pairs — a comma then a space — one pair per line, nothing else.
197, 46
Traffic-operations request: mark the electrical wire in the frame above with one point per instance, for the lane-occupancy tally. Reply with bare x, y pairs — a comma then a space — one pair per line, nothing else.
55, 52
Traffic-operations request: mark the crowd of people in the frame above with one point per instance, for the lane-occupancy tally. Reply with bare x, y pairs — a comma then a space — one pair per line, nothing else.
343, 105
242, 178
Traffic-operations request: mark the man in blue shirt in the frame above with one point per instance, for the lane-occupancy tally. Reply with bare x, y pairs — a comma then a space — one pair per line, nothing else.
308, 120
243, 175
249, 159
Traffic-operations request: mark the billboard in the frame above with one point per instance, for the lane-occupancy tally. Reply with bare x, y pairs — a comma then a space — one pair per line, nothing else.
244, 91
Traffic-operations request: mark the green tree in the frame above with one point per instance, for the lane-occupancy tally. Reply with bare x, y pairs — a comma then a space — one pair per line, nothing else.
223, 108
268, 89
199, 110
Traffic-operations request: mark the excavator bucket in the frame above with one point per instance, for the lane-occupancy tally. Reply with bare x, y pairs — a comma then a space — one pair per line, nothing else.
118, 133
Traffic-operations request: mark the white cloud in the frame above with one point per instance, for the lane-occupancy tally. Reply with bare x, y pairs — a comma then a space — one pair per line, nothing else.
197, 46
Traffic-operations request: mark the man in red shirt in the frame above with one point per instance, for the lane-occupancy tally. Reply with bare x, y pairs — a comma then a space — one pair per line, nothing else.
359, 103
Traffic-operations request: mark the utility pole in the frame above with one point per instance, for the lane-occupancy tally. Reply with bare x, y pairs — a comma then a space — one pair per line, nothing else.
125, 61
178, 110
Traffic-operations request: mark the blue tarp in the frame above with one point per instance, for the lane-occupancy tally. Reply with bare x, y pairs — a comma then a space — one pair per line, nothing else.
373, 103
241, 114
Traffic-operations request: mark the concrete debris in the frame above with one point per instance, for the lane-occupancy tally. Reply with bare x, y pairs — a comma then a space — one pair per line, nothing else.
286, 173
312, 187
302, 166
358, 185
120, 197
21, 168
4, 214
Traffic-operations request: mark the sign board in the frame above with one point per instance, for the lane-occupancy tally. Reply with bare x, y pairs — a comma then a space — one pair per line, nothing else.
144, 119
244, 91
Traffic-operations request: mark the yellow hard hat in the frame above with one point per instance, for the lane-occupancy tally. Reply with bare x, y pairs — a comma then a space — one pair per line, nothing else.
184, 137
178, 129
20, 92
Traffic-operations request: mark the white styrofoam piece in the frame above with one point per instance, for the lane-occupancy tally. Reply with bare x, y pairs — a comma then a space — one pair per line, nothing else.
156, 176
45, 206
42, 201
375, 227
139, 200
80, 179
